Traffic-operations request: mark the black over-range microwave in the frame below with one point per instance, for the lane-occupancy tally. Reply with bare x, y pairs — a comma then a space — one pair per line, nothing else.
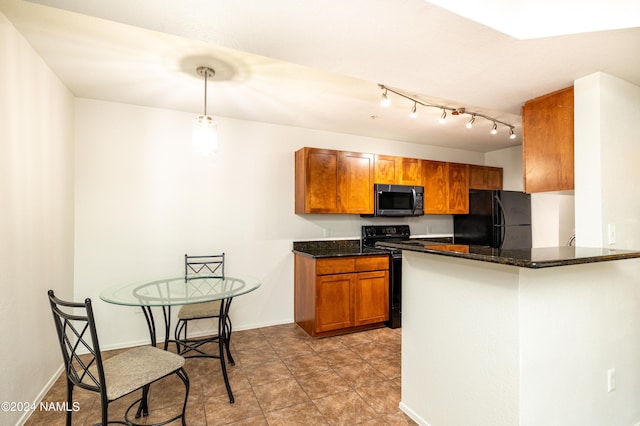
398, 200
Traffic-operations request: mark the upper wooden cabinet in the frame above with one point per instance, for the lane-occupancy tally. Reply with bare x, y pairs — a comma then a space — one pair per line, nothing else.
547, 142
398, 170
458, 188
446, 187
355, 182
485, 177
330, 181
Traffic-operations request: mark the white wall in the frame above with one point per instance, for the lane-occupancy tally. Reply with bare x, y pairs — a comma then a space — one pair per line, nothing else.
143, 199
510, 159
607, 124
552, 219
490, 344
36, 218
460, 337
576, 323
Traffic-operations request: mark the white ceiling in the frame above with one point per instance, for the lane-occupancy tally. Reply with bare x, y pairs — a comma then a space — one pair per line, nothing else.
317, 64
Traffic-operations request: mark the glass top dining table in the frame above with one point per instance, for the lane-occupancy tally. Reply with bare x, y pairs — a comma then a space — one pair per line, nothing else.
168, 292
180, 291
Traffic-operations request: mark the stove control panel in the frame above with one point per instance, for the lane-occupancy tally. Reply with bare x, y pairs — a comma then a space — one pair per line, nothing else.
380, 232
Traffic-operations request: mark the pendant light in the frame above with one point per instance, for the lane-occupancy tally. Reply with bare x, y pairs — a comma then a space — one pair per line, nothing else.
205, 129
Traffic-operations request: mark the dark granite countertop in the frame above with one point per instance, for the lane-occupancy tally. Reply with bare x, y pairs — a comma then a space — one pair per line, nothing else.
338, 248
527, 258
333, 248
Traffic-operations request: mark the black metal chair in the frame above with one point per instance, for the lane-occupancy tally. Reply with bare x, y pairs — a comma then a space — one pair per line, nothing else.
201, 266
115, 377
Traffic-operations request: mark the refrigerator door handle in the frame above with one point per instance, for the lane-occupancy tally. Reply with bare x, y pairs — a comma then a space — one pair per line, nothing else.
503, 228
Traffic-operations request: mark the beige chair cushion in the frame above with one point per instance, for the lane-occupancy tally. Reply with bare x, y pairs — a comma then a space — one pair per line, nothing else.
137, 367
199, 310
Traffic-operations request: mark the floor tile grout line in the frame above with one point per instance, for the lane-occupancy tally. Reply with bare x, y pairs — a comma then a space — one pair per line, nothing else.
352, 387
293, 334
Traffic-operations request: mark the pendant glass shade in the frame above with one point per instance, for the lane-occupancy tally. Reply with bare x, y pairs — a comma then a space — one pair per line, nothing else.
205, 135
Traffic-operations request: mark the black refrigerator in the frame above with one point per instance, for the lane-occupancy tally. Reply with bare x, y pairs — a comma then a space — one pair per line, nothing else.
499, 219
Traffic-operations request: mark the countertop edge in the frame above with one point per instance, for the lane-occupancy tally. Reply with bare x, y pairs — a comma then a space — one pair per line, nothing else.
518, 262
337, 254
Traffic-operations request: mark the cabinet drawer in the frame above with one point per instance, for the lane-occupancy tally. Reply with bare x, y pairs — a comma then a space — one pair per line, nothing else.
345, 265
372, 263
335, 265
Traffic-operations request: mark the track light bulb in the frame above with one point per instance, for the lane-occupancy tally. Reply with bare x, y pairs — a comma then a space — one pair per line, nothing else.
385, 99
413, 114
443, 117
494, 130
512, 134
470, 123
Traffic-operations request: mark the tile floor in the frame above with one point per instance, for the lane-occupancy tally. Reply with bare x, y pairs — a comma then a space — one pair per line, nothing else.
281, 377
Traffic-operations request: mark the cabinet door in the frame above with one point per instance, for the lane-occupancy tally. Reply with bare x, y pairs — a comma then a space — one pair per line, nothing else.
477, 176
398, 170
493, 177
385, 169
334, 302
410, 171
316, 181
547, 142
458, 200
371, 301
435, 182
355, 182
485, 177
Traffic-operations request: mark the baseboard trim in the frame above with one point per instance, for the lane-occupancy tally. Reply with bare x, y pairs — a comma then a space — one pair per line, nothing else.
413, 415
200, 333
36, 403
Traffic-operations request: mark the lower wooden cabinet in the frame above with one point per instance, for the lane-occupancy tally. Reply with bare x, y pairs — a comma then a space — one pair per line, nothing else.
341, 294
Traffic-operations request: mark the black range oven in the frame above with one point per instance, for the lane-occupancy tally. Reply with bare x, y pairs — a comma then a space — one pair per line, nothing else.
371, 234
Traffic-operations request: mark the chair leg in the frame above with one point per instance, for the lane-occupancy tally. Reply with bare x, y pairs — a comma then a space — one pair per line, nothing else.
69, 401
186, 332
178, 333
185, 379
104, 408
145, 400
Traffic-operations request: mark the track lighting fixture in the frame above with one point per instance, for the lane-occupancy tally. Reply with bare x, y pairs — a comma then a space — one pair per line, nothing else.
473, 119
385, 99
443, 117
414, 112
205, 130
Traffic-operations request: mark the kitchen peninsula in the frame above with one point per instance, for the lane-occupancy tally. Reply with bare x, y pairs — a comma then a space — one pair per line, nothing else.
522, 337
